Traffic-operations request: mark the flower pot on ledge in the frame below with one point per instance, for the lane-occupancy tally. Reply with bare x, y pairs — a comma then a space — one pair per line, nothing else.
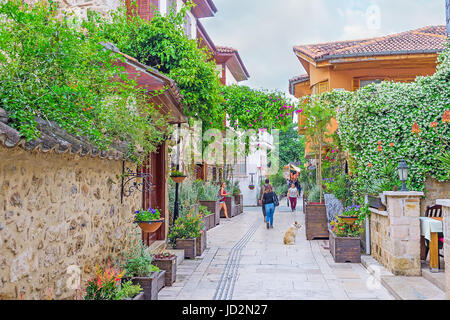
150, 226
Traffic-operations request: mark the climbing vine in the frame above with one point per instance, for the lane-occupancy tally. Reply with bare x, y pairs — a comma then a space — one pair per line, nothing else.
52, 70
162, 44
395, 121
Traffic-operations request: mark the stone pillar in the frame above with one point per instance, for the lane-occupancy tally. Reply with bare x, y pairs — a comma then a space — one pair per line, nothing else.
403, 210
446, 215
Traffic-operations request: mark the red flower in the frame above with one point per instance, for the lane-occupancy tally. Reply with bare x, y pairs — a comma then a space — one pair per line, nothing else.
391, 144
370, 165
380, 148
379, 142
446, 117
434, 124
416, 128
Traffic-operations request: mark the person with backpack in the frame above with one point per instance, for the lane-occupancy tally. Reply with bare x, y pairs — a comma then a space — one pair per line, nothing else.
267, 183
270, 202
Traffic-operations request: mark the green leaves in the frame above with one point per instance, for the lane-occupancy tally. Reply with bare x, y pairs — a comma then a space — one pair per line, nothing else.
56, 72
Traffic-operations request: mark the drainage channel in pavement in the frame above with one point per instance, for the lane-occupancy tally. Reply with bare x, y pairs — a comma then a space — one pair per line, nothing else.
225, 287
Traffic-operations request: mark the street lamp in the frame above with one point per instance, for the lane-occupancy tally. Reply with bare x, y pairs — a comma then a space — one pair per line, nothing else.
403, 171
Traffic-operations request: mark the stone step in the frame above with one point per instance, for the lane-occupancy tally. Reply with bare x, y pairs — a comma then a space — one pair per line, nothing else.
401, 287
438, 279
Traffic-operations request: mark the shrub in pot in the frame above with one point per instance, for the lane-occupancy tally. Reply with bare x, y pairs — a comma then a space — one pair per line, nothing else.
186, 231
208, 197
106, 285
316, 220
345, 234
139, 268
177, 176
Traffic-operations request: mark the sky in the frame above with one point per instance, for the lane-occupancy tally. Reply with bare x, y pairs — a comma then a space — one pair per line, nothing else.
265, 31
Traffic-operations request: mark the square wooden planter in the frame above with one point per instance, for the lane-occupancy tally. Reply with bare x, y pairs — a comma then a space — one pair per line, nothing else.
345, 250
239, 200
210, 221
161, 280
230, 208
201, 243
213, 206
170, 267
316, 222
189, 246
149, 284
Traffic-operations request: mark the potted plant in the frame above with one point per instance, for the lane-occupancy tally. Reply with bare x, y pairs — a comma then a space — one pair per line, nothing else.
209, 218
106, 285
129, 291
167, 262
251, 187
140, 270
148, 220
185, 233
177, 176
345, 234
316, 220
208, 197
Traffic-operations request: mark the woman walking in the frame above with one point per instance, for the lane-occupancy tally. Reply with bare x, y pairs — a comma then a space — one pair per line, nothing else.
223, 198
269, 204
293, 195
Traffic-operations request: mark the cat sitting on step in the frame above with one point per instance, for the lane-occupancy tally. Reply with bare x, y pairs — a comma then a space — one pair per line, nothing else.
289, 236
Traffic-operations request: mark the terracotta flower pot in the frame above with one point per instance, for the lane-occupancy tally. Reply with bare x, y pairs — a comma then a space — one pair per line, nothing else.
150, 226
251, 187
178, 179
348, 220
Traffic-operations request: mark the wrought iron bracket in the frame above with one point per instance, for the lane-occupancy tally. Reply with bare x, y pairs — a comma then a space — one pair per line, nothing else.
131, 183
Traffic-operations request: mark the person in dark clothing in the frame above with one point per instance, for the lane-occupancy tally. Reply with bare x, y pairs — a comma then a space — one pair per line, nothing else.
269, 205
267, 183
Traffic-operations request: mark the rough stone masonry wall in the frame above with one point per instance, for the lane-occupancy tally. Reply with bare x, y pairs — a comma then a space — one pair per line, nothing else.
80, 7
434, 190
395, 233
57, 211
381, 248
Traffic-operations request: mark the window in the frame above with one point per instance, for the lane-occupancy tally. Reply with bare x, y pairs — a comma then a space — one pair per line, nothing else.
363, 83
240, 168
321, 87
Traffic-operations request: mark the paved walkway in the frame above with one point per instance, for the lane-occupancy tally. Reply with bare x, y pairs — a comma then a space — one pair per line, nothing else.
245, 261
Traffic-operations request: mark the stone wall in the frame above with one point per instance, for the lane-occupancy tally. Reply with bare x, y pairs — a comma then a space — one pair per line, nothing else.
58, 211
395, 233
434, 190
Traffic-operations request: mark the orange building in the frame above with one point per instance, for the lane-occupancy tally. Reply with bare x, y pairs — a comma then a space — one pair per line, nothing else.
351, 65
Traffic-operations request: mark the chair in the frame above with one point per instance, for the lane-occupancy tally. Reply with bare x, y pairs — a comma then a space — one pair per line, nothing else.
434, 212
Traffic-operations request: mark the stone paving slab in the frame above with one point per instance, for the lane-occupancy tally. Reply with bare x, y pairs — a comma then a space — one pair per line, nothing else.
269, 270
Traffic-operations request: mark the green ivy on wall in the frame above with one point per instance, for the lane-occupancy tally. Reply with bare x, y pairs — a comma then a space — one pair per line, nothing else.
391, 121
52, 70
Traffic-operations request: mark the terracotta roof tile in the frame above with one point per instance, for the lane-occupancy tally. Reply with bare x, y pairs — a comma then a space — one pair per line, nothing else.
295, 80
427, 39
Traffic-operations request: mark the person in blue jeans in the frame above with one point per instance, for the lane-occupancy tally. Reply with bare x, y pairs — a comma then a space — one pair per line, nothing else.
269, 205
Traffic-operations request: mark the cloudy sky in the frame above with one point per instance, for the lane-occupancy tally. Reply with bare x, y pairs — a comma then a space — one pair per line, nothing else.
264, 31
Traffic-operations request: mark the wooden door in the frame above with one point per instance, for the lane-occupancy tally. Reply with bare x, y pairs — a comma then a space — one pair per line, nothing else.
155, 197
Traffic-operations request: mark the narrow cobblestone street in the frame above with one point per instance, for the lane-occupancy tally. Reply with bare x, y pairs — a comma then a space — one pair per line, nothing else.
245, 261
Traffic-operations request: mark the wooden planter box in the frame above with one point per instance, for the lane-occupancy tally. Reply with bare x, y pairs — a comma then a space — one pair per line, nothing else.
170, 267
201, 243
345, 249
375, 202
237, 209
316, 222
210, 221
149, 284
213, 206
230, 208
239, 200
140, 296
189, 246
161, 280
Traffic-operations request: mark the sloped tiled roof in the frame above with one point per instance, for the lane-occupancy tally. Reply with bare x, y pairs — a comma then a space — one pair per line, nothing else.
221, 50
424, 40
295, 80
